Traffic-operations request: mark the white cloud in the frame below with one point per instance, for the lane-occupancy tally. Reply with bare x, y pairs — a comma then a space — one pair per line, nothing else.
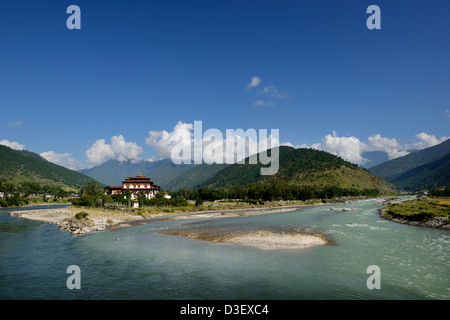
391, 146
215, 144
262, 103
299, 146
348, 148
164, 142
12, 144
447, 113
426, 140
62, 159
15, 123
270, 91
125, 150
273, 92
100, 151
254, 82
351, 148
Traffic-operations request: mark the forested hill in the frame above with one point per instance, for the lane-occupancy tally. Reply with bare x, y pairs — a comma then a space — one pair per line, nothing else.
307, 167
25, 166
433, 175
393, 169
424, 169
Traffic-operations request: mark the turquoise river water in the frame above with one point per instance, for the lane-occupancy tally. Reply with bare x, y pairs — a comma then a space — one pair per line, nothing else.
414, 262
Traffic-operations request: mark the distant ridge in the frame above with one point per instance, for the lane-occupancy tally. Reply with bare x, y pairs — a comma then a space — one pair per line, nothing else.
424, 169
432, 175
24, 166
163, 172
392, 169
113, 172
297, 166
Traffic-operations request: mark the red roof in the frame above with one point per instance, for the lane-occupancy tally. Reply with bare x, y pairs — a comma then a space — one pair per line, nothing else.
140, 179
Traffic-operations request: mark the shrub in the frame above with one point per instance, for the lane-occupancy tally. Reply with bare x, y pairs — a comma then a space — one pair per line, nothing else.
81, 215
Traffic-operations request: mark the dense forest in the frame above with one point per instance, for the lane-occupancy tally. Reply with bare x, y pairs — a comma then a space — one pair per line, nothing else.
275, 190
93, 195
303, 173
18, 166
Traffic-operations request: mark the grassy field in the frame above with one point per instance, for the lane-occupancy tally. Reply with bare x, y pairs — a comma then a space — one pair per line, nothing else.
420, 209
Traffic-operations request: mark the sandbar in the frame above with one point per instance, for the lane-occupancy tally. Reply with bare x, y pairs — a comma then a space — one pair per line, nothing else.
261, 239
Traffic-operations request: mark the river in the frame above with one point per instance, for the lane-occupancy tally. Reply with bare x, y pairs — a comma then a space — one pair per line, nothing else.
413, 263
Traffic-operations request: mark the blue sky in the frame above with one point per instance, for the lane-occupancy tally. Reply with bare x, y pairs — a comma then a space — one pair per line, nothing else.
323, 78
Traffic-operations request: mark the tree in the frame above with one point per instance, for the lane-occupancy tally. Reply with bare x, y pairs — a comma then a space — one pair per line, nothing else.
141, 199
198, 202
91, 195
92, 189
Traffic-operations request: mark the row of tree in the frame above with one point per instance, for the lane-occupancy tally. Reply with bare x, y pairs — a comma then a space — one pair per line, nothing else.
443, 192
277, 190
17, 194
92, 194
27, 188
14, 201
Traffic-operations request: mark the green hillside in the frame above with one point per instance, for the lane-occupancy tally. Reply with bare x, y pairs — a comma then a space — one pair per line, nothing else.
303, 167
25, 166
393, 169
194, 177
306, 167
166, 172
430, 176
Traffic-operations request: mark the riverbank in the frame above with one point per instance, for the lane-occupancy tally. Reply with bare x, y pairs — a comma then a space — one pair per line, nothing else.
425, 213
91, 220
79, 221
67, 219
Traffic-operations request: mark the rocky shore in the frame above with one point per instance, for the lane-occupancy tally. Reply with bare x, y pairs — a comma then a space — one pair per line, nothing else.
99, 220
434, 222
66, 220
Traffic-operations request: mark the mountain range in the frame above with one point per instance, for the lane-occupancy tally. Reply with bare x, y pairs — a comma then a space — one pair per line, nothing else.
422, 169
299, 166
163, 172
425, 169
